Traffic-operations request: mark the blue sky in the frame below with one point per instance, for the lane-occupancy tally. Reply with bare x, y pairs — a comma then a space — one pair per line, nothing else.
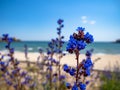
36, 19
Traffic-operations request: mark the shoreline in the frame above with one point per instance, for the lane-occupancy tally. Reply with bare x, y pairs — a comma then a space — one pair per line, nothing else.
107, 62
29, 51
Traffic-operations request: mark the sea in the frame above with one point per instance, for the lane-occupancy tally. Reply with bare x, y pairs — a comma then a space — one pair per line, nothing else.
33, 46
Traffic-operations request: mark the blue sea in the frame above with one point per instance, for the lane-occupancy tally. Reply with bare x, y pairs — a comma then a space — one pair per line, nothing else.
33, 46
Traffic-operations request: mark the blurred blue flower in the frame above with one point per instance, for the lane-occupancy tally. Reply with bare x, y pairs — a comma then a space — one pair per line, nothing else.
82, 86
62, 77
40, 50
68, 85
87, 72
60, 21
88, 53
49, 68
87, 82
75, 87
2, 63
54, 80
47, 76
12, 50
22, 74
10, 40
27, 79
5, 35
8, 82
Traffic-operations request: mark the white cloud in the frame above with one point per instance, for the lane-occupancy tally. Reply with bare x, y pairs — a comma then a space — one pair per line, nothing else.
92, 22
84, 21
84, 17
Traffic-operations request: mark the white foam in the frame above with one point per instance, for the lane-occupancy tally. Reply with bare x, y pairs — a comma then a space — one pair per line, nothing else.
39, 47
30, 49
4, 52
65, 52
100, 54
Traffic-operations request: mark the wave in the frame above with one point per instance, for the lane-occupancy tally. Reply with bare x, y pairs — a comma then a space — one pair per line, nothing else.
30, 49
100, 54
39, 47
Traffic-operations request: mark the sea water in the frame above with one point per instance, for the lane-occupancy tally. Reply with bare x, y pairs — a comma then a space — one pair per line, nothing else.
33, 46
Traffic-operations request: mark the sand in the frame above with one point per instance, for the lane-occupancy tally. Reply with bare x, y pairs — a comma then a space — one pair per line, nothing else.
107, 61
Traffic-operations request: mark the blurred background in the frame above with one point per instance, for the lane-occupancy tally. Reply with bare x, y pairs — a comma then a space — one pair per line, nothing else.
33, 23
35, 20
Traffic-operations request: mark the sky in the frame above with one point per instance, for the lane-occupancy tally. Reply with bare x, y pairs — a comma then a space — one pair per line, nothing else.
37, 19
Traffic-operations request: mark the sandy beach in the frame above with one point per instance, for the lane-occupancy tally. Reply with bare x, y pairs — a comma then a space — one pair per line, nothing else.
106, 62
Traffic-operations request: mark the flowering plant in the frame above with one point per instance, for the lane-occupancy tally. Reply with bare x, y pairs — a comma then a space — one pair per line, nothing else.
13, 75
53, 76
78, 42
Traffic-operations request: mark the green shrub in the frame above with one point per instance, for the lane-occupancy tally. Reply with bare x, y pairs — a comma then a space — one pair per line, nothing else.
110, 83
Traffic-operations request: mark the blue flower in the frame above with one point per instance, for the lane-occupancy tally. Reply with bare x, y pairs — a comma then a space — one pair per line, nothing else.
15, 86
3, 69
80, 29
61, 77
10, 40
72, 72
59, 31
49, 68
72, 43
8, 82
68, 85
2, 63
82, 86
47, 76
50, 44
22, 74
88, 63
88, 53
54, 80
87, 82
87, 72
5, 35
27, 79
15, 71
16, 62
57, 62
88, 38
75, 87
40, 50
66, 68
60, 21
81, 45
12, 50
62, 26
48, 51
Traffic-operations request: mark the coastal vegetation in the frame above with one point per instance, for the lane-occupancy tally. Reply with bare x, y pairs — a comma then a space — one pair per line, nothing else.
48, 72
